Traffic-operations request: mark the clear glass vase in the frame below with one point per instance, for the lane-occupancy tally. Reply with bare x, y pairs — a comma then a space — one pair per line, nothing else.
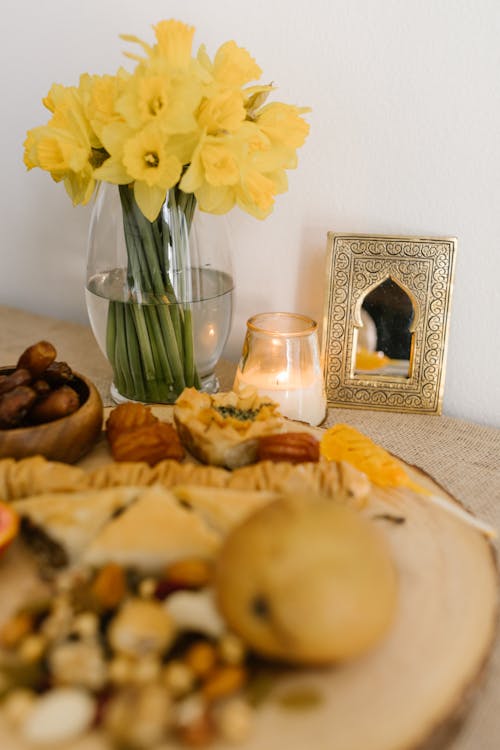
159, 294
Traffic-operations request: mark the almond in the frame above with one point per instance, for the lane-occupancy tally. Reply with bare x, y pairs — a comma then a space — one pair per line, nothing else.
294, 447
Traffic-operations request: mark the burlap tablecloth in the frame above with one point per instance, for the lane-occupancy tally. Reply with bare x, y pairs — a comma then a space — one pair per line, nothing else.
461, 456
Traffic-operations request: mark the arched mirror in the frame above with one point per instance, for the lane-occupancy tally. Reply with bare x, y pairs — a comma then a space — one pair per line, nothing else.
387, 311
384, 332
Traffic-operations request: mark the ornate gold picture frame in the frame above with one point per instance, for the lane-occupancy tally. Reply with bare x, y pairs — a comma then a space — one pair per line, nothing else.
385, 327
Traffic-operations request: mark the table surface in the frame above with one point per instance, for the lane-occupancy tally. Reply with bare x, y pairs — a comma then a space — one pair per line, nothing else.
461, 456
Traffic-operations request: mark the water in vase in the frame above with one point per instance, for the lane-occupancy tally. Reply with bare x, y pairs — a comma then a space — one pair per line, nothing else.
210, 295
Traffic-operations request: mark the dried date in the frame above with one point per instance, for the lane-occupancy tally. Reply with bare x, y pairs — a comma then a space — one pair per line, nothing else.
14, 406
19, 377
58, 373
37, 358
57, 404
41, 387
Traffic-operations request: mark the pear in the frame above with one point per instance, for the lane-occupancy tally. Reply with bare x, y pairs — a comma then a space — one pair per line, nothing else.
306, 580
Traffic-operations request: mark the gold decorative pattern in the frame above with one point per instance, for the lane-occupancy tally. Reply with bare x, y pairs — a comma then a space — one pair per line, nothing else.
423, 268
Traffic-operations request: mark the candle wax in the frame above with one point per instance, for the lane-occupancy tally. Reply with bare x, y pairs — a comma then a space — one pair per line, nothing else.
306, 403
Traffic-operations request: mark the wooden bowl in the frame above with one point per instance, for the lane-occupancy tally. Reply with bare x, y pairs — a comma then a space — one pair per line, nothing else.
66, 439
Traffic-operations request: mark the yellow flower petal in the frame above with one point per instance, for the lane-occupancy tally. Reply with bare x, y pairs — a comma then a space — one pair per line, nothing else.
175, 40
113, 170
193, 176
215, 200
256, 194
80, 186
219, 164
150, 199
135, 40
283, 124
222, 112
30, 154
145, 157
234, 66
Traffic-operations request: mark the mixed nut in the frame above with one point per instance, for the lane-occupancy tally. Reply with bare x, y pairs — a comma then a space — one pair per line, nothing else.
38, 390
105, 643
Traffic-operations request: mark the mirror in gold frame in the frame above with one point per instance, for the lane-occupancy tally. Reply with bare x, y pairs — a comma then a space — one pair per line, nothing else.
386, 321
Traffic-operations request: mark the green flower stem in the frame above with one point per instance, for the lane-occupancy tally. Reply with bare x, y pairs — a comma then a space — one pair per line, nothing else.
188, 337
149, 336
134, 355
121, 354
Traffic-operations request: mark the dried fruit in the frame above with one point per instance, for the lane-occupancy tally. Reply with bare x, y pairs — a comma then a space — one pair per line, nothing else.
37, 358
16, 378
344, 443
55, 405
14, 405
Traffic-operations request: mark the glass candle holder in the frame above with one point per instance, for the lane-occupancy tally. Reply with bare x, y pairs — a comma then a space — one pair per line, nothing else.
281, 359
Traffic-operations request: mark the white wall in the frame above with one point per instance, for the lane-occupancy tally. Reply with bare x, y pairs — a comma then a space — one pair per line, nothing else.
405, 138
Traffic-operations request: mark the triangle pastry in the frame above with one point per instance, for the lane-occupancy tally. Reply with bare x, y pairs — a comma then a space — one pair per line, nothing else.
59, 526
222, 508
155, 531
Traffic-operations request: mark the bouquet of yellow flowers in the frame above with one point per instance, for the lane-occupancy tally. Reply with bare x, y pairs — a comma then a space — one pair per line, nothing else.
179, 130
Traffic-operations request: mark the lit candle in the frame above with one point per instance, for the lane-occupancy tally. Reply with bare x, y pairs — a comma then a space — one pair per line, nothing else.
281, 360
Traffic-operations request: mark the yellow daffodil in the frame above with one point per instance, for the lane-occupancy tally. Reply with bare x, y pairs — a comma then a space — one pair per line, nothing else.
175, 40
283, 124
223, 173
155, 93
66, 147
175, 121
153, 168
233, 66
174, 43
99, 96
224, 111
256, 193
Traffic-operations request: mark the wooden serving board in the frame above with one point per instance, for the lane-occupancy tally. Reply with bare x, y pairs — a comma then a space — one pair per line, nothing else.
407, 693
